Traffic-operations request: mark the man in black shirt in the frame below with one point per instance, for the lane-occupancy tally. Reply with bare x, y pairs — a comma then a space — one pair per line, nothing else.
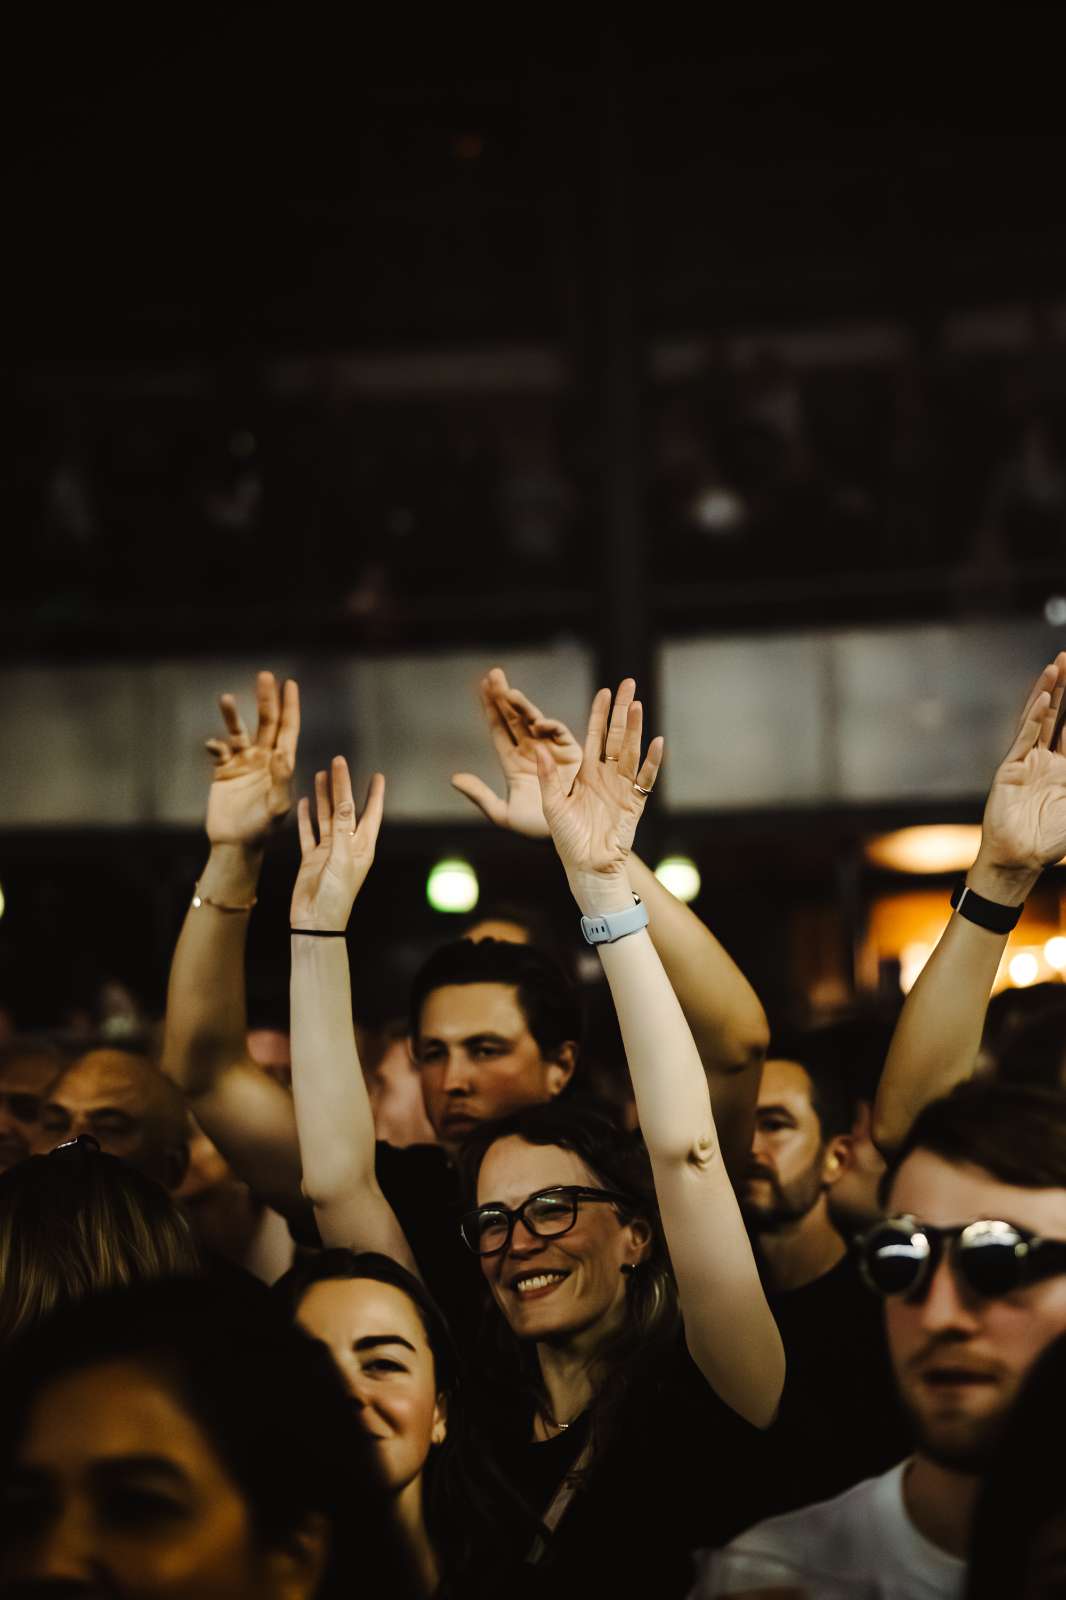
839, 1418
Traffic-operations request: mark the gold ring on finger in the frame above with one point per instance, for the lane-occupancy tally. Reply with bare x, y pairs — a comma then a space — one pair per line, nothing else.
637, 787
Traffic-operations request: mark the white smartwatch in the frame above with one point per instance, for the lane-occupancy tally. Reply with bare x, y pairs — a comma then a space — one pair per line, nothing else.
616, 924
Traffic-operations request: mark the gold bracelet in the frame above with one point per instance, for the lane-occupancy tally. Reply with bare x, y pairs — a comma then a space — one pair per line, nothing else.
199, 900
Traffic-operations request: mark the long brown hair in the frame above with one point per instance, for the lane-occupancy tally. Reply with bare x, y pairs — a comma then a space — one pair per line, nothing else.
78, 1221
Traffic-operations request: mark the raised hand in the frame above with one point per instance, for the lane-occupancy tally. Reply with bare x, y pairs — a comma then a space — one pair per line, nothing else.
333, 869
251, 786
517, 727
1024, 825
594, 822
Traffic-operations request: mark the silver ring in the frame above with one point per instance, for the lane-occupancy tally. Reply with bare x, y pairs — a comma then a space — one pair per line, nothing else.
644, 792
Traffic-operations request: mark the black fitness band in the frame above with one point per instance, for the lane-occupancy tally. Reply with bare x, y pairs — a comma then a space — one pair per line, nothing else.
986, 913
321, 933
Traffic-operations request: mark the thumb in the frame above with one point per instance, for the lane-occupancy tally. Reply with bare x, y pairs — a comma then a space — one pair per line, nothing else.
484, 798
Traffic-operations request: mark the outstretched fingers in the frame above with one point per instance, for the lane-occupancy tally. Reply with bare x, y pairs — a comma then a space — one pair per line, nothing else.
343, 799
597, 728
493, 687
629, 748
238, 733
304, 828
645, 778
552, 793
616, 731
289, 728
323, 805
373, 811
268, 704
1029, 732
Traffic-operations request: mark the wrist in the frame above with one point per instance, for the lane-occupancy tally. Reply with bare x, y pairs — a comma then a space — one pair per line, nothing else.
600, 894
1006, 885
232, 872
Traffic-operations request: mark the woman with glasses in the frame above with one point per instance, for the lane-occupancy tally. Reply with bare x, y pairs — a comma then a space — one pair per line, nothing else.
639, 1356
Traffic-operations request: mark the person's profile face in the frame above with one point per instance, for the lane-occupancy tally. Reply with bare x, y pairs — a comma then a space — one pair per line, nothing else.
571, 1285
25, 1081
959, 1358
114, 1489
478, 1060
783, 1179
379, 1343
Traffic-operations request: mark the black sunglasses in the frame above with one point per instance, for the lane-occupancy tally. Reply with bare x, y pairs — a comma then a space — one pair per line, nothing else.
900, 1255
547, 1214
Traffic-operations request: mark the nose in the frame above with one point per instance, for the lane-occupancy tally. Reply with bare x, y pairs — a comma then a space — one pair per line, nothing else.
456, 1078
758, 1148
947, 1304
64, 1552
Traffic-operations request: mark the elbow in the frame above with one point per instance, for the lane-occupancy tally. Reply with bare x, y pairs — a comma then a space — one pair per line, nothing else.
326, 1190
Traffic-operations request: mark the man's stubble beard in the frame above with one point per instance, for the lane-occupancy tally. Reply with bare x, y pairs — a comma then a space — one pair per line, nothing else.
792, 1201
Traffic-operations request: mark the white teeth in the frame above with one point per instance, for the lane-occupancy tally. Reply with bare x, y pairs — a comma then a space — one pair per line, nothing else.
541, 1281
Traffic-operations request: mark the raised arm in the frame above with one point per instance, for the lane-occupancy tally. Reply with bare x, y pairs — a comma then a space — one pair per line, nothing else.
722, 1009
938, 1035
243, 1111
333, 1114
730, 1332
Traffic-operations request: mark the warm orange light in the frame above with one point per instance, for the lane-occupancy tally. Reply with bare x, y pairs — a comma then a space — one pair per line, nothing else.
1024, 969
940, 847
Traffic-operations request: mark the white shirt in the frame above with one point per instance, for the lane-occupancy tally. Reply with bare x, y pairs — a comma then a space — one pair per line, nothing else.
862, 1543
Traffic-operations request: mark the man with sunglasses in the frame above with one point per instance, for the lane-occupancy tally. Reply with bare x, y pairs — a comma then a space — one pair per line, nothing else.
27, 1072
970, 1261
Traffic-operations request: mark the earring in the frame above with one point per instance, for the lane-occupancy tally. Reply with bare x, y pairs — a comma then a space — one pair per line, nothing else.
628, 1268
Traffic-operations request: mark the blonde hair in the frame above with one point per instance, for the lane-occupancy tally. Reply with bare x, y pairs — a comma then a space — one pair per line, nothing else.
78, 1221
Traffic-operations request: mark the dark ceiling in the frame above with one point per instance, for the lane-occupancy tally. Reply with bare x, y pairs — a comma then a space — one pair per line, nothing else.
272, 179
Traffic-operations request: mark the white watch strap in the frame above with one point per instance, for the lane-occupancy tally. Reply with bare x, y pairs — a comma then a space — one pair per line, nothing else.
616, 924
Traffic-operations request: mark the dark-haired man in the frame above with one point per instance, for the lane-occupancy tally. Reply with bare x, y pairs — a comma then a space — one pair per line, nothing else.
837, 1364
967, 1312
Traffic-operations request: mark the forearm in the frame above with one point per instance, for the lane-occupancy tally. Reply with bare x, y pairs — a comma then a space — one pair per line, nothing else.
938, 1035
730, 1330
206, 1023
725, 1014
333, 1113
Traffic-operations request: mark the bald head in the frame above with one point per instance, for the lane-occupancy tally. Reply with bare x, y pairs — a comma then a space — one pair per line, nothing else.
128, 1106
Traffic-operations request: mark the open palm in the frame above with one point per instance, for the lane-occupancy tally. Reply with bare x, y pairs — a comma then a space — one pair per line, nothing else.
333, 867
593, 824
517, 728
1024, 823
251, 788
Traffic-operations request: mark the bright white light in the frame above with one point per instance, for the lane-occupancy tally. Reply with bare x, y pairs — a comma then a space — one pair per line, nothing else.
1024, 969
719, 510
912, 959
452, 886
1055, 953
680, 875
1055, 609
2, 901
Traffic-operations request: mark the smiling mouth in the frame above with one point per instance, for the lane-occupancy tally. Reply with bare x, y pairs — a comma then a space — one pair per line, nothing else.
532, 1285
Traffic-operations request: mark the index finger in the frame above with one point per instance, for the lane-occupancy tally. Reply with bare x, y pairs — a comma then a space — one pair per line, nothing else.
373, 811
601, 706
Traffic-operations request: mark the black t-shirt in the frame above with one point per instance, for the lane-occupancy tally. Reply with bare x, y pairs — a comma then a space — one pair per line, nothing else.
424, 1191
682, 1472
840, 1420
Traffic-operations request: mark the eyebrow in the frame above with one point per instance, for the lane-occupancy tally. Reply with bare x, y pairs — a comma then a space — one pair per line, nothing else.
371, 1341
775, 1111
146, 1465
471, 1038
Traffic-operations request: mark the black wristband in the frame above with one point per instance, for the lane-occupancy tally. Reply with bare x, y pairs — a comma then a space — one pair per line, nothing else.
322, 933
986, 913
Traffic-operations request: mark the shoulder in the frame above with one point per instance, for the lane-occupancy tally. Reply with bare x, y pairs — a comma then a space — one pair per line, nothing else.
829, 1530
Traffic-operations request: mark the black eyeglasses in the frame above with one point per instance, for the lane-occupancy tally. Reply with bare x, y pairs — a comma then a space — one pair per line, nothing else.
900, 1255
548, 1213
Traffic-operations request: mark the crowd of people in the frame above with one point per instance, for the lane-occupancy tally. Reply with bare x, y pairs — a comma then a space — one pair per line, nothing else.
784, 1315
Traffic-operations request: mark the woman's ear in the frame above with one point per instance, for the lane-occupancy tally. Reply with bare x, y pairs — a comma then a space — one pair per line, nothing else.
296, 1567
639, 1231
561, 1064
440, 1421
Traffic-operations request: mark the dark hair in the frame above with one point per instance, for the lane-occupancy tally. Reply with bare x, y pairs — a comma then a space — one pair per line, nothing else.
78, 1221
832, 1101
470, 1513
1035, 1050
620, 1162
548, 999
267, 1396
1021, 1491
1015, 1131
